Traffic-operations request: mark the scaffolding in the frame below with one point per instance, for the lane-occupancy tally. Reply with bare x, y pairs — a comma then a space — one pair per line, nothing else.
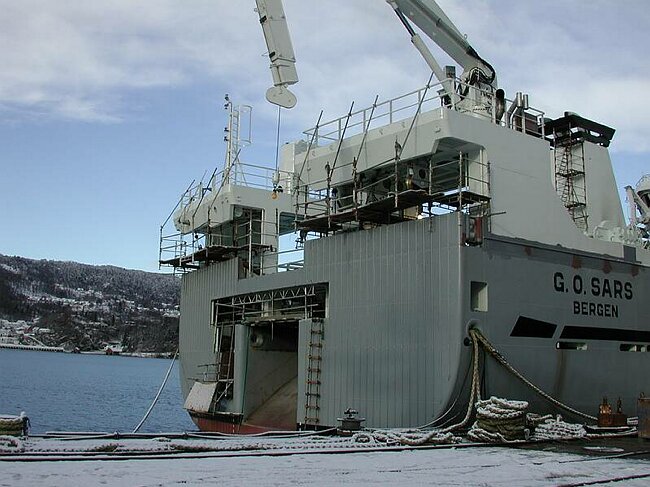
454, 178
246, 237
194, 234
272, 306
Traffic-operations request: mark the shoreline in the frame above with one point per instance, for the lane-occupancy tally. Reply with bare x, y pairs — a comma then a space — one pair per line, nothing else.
36, 348
39, 348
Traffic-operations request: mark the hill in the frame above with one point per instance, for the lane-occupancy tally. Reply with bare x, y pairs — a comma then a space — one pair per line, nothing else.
84, 306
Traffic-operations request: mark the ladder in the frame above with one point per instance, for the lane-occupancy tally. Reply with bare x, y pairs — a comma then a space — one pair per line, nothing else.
570, 178
237, 135
313, 384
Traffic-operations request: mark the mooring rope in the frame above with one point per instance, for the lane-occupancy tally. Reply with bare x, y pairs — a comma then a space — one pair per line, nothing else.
501, 410
155, 399
436, 436
475, 391
477, 335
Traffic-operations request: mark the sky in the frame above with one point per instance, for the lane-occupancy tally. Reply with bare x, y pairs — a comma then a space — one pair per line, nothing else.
108, 109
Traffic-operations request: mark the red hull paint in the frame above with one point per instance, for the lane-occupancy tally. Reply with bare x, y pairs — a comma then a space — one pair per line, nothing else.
217, 426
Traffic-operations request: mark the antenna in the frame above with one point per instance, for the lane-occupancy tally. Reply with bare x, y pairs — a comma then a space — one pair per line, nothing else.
237, 135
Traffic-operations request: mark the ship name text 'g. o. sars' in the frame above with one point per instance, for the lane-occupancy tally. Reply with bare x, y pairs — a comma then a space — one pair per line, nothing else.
596, 287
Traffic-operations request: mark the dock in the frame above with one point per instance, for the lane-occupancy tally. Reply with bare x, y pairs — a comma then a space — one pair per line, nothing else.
333, 461
36, 348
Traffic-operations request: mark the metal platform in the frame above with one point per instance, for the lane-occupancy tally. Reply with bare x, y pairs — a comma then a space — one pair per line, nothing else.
383, 211
466, 198
213, 253
380, 211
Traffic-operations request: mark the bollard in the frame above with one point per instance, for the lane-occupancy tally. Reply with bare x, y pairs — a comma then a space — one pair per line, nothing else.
643, 411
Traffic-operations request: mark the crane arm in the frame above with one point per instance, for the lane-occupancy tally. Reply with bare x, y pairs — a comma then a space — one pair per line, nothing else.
278, 42
636, 202
432, 20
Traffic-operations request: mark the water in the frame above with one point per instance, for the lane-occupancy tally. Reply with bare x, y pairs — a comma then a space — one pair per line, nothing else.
72, 392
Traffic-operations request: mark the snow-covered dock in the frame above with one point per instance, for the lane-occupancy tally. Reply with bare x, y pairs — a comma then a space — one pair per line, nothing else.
314, 460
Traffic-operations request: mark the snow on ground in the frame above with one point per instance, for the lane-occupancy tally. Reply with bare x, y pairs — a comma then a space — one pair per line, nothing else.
484, 466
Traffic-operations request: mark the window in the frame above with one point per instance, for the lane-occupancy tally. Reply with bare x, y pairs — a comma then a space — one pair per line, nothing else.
571, 346
479, 295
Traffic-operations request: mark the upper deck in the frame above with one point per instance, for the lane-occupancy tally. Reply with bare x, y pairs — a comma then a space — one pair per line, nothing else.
499, 161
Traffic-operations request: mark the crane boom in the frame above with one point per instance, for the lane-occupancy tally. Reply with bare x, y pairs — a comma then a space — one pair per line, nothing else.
280, 49
432, 20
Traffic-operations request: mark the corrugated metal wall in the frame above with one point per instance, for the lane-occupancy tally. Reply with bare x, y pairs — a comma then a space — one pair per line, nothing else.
393, 340
393, 337
196, 336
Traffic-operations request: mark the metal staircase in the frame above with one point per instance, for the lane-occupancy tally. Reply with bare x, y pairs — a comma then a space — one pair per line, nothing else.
570, 178
313, 384
568, 136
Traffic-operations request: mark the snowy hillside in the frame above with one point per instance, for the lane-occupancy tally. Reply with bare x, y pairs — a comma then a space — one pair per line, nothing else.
83, 306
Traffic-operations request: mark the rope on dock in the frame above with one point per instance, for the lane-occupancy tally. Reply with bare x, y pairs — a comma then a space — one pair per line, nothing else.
155, 399
477, 335
556, 429
11, 444
497, 420
435, 436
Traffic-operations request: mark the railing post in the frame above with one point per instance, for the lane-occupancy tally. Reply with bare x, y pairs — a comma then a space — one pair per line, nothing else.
327, 195
494, 105
250, 243
460, 181
398, 153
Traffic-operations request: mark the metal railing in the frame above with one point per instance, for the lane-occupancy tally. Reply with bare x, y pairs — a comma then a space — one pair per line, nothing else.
256, 241
320, 197
239, 174
428, 98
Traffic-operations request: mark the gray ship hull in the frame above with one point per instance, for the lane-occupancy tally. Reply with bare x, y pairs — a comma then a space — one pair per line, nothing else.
394, 345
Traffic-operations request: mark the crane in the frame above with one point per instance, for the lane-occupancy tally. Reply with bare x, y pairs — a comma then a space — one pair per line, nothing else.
280, 50
478, 74
478, 78
639, 199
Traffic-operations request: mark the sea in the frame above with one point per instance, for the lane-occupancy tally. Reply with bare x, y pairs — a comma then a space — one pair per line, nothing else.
98, 393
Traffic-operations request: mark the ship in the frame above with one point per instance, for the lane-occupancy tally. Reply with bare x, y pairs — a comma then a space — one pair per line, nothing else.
352, 274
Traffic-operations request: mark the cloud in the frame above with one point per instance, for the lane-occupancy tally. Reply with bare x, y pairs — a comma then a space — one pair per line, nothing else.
79, 60
585, 57
76, 59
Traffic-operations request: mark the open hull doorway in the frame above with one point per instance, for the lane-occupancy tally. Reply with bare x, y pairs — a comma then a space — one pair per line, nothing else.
271, 375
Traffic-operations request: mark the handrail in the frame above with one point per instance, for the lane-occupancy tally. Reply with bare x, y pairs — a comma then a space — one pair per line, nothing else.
331, 131
246, 234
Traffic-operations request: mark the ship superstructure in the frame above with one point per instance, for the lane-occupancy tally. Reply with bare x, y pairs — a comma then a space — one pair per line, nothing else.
417, 218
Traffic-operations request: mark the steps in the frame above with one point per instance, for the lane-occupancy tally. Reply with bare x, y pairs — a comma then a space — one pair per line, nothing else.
313, 382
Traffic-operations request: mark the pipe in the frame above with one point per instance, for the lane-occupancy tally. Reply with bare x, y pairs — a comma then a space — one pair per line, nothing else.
517, 109
500, 104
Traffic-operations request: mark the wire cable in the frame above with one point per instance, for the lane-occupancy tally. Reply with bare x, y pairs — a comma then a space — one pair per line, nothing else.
155, 399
